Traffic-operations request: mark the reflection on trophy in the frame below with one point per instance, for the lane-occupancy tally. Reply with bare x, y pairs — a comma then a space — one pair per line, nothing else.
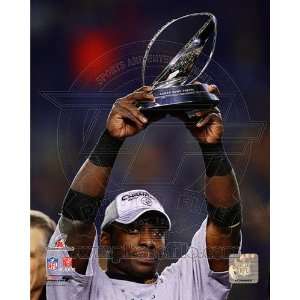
174, 88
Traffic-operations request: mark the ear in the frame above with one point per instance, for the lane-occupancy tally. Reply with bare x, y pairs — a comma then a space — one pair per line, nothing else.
105, 239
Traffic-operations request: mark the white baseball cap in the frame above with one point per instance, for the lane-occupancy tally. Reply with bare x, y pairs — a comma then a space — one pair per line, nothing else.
130, 205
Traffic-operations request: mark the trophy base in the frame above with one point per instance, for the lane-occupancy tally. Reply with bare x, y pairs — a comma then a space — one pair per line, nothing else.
185, 98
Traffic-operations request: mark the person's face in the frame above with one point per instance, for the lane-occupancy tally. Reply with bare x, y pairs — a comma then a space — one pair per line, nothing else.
136, 247
37, 258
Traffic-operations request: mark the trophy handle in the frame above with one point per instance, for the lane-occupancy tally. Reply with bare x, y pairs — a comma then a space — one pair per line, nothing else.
149, 46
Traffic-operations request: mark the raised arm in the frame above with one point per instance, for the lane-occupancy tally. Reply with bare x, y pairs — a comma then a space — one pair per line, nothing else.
82, 200
223, 205
221, 188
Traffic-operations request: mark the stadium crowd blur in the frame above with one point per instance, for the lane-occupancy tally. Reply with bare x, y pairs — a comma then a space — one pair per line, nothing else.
67, 36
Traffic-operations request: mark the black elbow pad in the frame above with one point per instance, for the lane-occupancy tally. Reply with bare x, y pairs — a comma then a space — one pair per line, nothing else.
80, 207
229, 217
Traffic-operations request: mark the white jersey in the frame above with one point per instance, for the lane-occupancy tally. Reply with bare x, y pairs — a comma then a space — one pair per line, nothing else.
190, 278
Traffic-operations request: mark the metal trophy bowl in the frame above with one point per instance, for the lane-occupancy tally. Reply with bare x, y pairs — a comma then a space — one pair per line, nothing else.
173, 88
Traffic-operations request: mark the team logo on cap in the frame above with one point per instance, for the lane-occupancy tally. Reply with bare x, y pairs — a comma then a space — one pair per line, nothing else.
147, 201
52, 263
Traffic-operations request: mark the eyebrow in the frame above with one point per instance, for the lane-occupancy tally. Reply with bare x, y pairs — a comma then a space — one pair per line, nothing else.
130, 226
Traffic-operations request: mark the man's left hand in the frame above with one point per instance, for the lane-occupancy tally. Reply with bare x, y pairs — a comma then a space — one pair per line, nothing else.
205, 125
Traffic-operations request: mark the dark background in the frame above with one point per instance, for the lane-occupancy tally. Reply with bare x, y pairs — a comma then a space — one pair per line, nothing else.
67, 36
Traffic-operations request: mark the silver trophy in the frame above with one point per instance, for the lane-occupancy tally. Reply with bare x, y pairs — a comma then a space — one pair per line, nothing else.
173, 88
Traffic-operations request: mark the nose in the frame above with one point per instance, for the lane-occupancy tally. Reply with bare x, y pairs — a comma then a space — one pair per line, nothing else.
147, 239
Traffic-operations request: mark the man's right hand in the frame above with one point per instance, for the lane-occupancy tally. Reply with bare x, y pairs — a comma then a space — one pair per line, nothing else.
125, 119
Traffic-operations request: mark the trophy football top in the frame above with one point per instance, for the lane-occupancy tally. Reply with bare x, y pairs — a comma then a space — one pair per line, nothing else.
173, 88
179, 68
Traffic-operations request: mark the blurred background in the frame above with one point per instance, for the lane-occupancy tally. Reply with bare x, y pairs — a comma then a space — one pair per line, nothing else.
84, 54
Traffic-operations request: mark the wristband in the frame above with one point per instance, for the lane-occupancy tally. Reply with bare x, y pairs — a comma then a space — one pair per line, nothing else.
106, 150
215, 160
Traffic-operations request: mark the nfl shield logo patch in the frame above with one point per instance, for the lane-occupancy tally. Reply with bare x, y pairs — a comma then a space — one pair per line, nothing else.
52, 263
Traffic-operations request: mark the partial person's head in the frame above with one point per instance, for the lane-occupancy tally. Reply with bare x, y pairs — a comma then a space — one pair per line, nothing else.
134, 230
41, 229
